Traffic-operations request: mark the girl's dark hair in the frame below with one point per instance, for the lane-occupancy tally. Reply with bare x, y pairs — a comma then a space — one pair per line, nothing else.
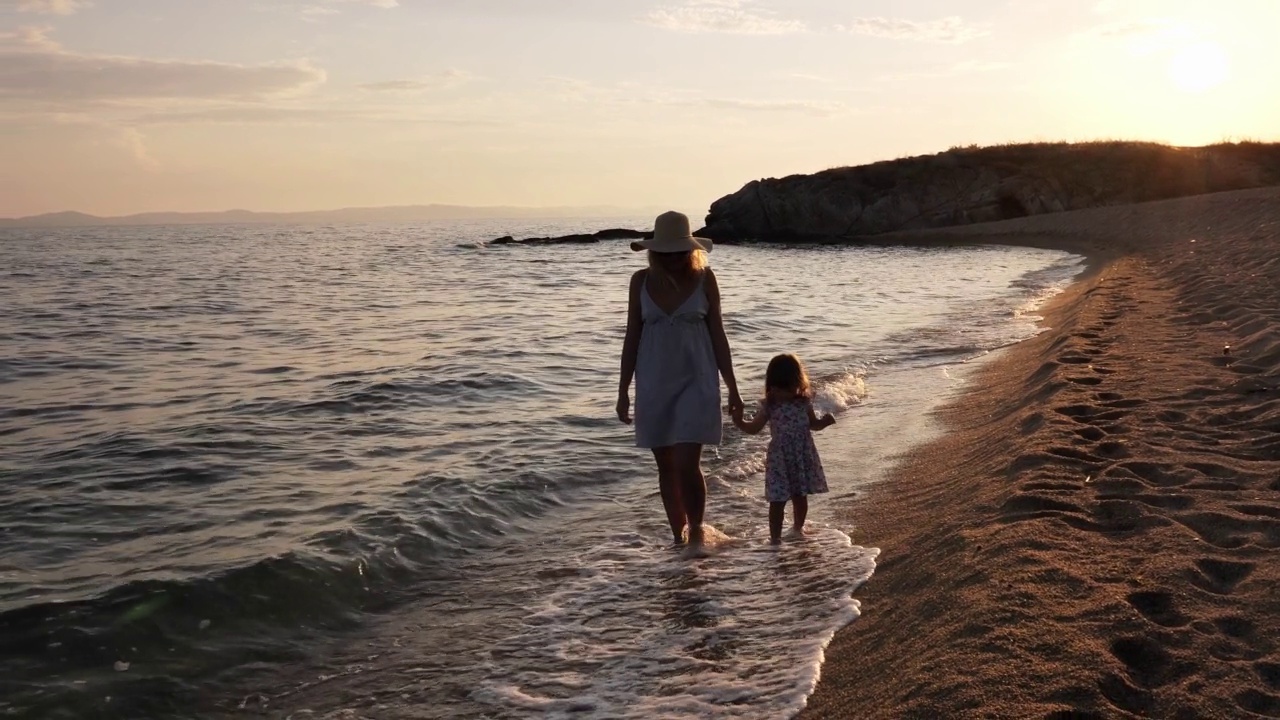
787, 373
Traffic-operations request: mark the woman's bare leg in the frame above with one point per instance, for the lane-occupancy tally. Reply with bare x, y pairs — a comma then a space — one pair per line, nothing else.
693, 486
669, 488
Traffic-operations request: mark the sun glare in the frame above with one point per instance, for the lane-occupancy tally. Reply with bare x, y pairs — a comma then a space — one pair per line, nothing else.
1200, 67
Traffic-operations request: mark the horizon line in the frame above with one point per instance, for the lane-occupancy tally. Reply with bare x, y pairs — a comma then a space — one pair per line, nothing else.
345, 208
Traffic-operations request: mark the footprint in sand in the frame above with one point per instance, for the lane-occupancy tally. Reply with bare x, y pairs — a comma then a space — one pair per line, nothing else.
1230, 532
1164, 501
1158, 474
1091, 433
1269, 674
1026, 506
1269, 511
1158, 607
1113, 449
1124, 696
1259, 703
1148, 663
1234, 626
1085, 380
1220, 577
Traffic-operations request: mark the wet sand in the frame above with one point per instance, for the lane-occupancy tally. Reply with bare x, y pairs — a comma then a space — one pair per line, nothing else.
1097, 535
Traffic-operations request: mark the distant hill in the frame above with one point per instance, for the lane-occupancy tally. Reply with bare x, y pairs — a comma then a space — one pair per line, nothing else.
404, 213
982, 184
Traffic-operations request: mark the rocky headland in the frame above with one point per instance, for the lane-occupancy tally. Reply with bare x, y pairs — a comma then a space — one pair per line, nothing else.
982, 184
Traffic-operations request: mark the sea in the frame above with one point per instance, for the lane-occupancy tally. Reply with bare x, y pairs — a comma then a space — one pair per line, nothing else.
374, 471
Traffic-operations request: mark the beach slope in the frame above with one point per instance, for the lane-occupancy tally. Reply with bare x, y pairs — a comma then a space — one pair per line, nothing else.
1098, 534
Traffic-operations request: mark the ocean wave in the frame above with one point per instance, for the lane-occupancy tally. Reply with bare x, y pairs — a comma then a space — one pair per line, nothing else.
170, 633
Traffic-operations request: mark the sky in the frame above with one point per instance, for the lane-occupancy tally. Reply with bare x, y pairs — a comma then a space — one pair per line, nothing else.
121, 106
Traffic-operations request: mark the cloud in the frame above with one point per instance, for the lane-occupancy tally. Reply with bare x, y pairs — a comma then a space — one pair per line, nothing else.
136, 144
244, 115
324, 8
28, 38
775, 106
34, 68
737, 17
311, 12
386, 4
1143, 36
962, 68
46, 7
324, 115
944, 30
633, 95
1148, 26
450, 78
807, 77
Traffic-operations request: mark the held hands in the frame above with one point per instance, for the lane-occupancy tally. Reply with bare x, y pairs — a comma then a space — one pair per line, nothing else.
735, 404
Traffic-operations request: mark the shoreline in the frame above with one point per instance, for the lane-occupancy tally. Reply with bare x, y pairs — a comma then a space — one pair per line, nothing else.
1095, 532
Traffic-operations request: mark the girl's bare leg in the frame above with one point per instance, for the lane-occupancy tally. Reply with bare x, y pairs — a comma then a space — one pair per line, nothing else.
776, 510
693, 486
669, 488
800, 508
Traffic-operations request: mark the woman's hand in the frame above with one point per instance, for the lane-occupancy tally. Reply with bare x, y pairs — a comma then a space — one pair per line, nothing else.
624, 408
735, 403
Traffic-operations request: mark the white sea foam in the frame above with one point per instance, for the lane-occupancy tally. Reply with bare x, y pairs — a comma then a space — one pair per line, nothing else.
1041, 285
840, 393
649, 633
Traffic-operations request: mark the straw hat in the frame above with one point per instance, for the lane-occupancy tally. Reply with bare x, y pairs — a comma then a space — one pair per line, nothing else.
671, 234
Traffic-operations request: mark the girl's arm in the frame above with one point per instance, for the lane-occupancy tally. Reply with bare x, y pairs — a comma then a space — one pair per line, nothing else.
630, 346
816, 423
757, 423
720, 342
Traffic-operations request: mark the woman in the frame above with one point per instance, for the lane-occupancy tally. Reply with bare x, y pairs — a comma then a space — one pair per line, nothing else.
676, 349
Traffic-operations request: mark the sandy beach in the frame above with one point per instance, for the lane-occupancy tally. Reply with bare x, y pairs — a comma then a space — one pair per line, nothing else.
1097, 534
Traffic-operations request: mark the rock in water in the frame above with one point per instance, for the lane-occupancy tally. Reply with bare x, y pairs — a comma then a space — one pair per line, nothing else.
576, 239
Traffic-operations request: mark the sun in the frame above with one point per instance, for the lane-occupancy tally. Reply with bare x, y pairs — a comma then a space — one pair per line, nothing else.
1200, 67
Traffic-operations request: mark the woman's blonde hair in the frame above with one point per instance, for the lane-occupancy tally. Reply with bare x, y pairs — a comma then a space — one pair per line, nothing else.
697, 261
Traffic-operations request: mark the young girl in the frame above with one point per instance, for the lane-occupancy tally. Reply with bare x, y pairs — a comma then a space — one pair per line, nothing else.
793, 470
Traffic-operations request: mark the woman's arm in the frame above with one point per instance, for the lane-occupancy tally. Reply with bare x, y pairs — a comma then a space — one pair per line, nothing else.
816, 423
720, 342
630, 346
757, 423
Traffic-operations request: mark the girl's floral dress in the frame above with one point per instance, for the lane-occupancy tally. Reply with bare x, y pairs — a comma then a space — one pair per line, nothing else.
793, 467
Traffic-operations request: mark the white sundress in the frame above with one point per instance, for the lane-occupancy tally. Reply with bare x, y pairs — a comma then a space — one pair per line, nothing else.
677, 381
